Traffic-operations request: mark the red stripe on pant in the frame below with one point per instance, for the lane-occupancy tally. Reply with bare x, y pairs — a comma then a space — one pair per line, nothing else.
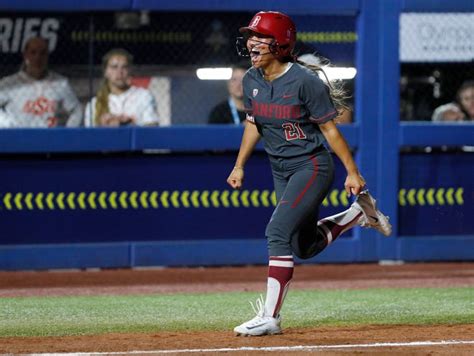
308, 185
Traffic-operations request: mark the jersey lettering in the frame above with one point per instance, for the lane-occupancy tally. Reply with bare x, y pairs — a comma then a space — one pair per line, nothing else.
276, 111
293, 131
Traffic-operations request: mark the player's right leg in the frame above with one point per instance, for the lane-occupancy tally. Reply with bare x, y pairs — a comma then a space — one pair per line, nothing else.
263, 323
280, 271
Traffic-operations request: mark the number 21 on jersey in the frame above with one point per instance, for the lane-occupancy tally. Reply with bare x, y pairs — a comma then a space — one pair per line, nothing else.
293, 131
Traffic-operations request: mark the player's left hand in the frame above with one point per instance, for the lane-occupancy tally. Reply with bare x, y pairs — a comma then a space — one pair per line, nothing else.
354, 184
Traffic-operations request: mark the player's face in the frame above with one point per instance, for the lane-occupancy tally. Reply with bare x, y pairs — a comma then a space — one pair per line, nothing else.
235, 83
36, 57
467, 100
259, 50
117, 72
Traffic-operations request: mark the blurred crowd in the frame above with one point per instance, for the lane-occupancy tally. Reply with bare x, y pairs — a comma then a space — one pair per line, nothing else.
38, 97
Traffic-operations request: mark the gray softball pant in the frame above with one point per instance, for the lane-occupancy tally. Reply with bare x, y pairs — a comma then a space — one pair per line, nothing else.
300, 186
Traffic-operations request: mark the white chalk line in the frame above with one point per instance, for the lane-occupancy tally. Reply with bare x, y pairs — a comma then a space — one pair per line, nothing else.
272, 348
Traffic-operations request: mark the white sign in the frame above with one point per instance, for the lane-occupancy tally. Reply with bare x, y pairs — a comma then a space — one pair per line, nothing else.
438, 37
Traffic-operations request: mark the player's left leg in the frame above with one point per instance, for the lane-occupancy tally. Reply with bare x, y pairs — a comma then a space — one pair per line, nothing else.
362, 212
307, 243
372, 216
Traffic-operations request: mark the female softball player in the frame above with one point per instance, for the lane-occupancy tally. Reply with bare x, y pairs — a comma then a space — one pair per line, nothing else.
292, 109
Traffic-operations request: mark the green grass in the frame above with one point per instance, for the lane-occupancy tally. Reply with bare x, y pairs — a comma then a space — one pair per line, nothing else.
55, 316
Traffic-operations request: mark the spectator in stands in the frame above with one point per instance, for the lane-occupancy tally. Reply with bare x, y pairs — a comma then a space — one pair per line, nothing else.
462, 109
231, 110
36, 96
117, 102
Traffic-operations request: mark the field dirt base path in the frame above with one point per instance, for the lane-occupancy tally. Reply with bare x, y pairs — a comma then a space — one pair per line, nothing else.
172, 280
226, 339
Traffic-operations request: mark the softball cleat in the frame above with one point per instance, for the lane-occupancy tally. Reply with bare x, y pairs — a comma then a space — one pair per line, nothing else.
260, 325
371, 216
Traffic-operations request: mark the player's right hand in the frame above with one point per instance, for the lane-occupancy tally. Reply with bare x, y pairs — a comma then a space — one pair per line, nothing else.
236, 178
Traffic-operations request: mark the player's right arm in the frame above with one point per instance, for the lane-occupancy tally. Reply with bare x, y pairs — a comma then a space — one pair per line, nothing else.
249, 140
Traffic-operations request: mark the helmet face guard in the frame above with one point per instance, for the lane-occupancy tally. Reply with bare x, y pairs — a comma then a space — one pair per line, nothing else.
243, 51
241, 46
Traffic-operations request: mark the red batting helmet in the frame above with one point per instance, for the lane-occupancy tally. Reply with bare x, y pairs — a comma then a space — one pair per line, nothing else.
277, 25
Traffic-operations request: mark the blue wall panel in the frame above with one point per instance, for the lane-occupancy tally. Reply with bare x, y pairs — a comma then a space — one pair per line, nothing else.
437, 6
65, 140
436, 248
436, 194
295, 7
436, 134
298, 6
54, 256
62, 5
228, 252
182, 138
201, 252
85, 199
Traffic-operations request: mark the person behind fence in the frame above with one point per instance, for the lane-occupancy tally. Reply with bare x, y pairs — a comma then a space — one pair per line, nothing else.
462, 109
36, 97
293, 111
118, 102
231, 110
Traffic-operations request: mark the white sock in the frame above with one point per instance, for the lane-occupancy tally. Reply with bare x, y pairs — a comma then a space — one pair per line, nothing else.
280, 272
335, 225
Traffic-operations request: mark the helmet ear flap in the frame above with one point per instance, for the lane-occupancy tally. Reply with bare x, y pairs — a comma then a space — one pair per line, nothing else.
274, 48
278, 50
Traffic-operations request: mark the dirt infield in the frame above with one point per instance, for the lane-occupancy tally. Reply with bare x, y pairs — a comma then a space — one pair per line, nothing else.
245, 279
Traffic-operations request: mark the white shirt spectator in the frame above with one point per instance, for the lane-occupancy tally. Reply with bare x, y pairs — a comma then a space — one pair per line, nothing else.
448, 112
135, 102
47, 102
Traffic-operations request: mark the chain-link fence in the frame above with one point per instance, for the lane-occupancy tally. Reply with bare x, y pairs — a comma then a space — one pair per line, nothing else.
437, 68
60, 81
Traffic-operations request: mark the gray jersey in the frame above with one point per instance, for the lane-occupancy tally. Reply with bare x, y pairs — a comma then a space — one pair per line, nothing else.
288, 109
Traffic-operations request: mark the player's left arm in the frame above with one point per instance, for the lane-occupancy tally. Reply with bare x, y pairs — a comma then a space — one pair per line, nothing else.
354, 182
